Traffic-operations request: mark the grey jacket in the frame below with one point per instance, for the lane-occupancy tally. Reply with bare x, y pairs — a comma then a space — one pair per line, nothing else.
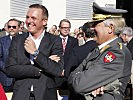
102, 67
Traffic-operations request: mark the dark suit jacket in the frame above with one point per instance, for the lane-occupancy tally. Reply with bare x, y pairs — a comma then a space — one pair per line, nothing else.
130, 47
71, 43
98, 70
26, 74
78, 54
4, 50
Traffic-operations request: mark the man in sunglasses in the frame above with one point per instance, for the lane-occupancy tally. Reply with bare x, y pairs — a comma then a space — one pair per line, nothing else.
13, 27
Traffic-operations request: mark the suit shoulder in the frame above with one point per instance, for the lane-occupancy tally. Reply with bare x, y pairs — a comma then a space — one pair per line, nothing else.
125, 49
72, 38
19, 36
52, 37
4, 38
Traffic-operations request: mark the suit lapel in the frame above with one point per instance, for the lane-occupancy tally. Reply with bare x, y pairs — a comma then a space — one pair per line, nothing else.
44, 42
94, 54
69, 43
22, 47
8, 40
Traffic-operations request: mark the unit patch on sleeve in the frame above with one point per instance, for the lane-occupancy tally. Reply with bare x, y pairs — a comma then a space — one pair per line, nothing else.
109, 57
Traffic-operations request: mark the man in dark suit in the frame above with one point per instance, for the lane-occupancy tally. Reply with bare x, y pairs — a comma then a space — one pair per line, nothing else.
78, 55
4, 31
127, 37
109, 65
13, 27
29, 59
68, 43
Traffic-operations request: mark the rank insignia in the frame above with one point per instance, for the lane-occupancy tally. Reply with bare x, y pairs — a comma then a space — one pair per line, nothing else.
109, 57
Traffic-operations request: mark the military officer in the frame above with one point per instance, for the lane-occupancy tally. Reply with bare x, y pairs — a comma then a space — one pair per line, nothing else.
109, 65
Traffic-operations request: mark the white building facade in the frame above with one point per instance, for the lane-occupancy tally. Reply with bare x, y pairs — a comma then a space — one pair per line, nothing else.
58, 10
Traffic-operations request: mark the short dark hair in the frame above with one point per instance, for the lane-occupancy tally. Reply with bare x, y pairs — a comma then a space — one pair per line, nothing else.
64, 20
87, 30
44, 9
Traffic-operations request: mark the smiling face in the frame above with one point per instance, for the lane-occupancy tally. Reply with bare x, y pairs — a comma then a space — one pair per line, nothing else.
65, 29
35, 21
13, 27
104, 33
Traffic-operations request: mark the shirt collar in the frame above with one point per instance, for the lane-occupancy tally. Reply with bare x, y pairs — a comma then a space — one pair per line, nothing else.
89, 39
63, 37
10, 37
40, 37
104, 44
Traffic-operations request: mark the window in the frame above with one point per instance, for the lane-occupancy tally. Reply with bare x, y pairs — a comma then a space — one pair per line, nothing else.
79, 9
19, 7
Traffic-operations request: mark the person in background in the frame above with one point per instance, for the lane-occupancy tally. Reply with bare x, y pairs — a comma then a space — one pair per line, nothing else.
22, 28
78, 54
109, 65
5, 41
127, 37
53, 29
29, 60
76, 31
68, 43
80, 38
57, 32
4, 31
81, 29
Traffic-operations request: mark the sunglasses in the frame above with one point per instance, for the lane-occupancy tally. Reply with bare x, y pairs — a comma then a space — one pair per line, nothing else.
14, 27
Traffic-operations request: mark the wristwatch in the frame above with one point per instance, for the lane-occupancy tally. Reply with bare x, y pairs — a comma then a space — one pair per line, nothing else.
35, 53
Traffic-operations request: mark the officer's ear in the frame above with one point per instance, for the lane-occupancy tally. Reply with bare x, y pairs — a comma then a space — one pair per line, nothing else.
111, 28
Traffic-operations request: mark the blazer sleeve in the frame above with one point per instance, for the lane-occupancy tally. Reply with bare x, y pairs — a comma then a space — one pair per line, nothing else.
76, 43
48, 65
26, 69
72, 63
2, 64
97, 73
14, 68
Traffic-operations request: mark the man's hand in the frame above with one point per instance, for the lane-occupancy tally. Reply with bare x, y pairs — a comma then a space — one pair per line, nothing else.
55, 58
29, 45
98, 91
62, 74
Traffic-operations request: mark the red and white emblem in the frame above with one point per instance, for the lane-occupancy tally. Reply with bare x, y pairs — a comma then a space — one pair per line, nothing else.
109, 57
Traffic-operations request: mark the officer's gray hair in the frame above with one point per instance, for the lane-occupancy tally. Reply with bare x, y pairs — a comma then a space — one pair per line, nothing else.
128, 31
118, 23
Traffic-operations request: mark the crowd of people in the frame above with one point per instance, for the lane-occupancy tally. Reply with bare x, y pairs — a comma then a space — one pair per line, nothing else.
93, 63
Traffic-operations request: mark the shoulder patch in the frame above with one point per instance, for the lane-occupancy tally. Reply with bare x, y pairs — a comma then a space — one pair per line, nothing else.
109, 57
